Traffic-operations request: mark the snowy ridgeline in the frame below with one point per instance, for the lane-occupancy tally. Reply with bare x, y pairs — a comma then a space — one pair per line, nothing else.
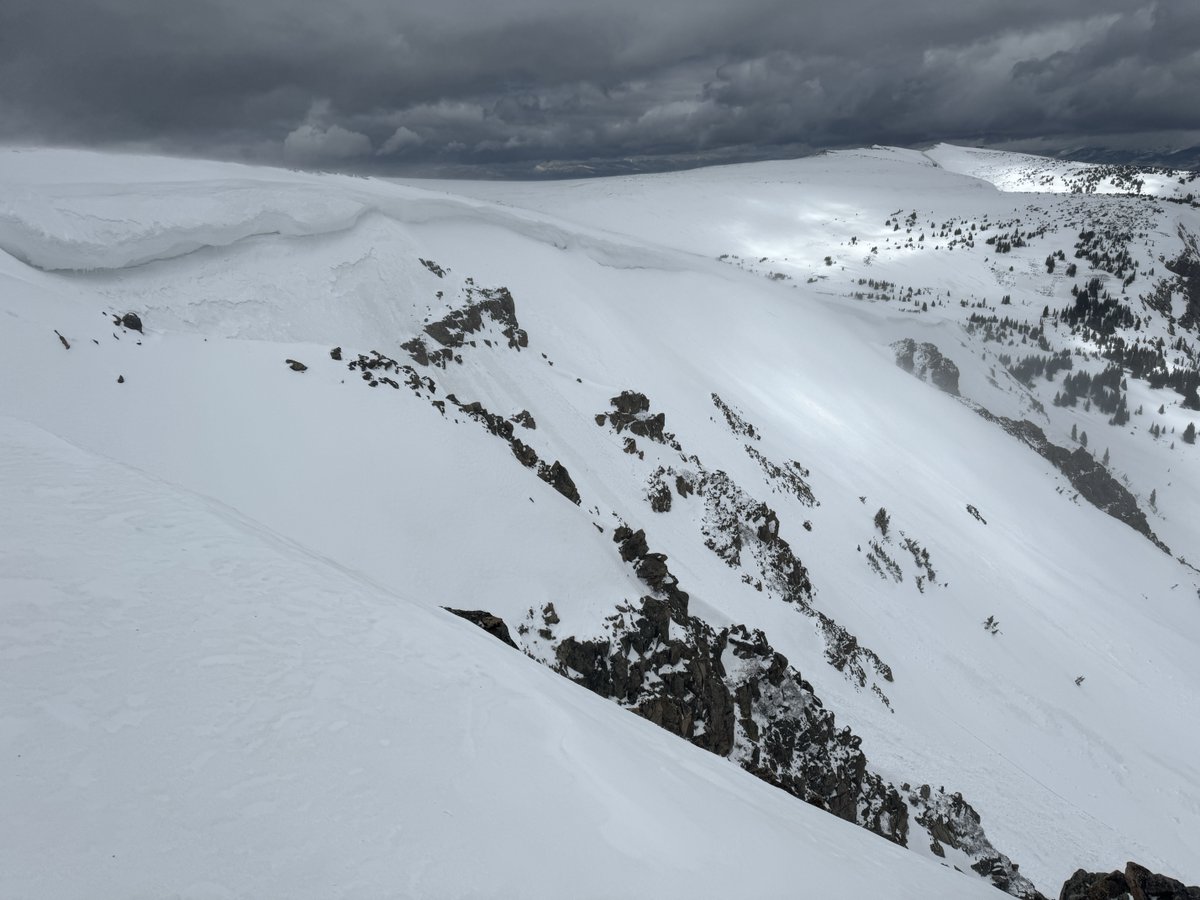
711, 498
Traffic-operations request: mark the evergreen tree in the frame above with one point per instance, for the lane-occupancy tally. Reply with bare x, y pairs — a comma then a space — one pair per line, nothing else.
1074, 432
1189, 433
1154, 499
1083, 438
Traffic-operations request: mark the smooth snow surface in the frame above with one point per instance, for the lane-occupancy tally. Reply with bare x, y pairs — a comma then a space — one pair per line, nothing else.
226, 669
200, 708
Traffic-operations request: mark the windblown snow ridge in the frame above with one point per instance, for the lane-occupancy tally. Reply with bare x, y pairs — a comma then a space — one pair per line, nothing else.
91, 229
88, 227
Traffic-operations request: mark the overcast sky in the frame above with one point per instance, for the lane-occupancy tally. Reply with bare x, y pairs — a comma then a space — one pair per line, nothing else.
391, 84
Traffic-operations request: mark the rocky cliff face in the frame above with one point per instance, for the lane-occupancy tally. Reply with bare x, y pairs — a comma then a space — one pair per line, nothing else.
926, 362
1093, 481
730, 692
723, 686
1136, 883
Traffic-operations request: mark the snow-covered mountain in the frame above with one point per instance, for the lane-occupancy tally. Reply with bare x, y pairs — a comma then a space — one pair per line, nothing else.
265, 430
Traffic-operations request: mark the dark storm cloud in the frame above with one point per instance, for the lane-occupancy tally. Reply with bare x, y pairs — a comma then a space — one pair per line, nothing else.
388, 83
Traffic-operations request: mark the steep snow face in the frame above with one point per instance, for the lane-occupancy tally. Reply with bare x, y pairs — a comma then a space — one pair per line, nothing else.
781, 406
198, 707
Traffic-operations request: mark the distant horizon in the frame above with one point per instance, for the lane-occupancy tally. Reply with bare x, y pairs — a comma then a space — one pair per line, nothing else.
499, 88
1181, 159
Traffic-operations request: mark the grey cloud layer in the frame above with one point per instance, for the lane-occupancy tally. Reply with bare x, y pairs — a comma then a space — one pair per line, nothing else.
378, 83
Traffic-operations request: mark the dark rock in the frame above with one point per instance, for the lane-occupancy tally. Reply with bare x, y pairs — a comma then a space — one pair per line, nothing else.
131, 321
684, 486
1093, 481
336, 354
737, 424
951, 821
557, 476
433, 267
1146, 885
297, 366
632, 410
63, 340
652, 569
630, 403
790, 476
416, 349
1136, 882
1094, 886
525, 420
660, 497
493, 625
497, 304
120, 379
751, 706
632, 543
666, 666
926, 362
525, 454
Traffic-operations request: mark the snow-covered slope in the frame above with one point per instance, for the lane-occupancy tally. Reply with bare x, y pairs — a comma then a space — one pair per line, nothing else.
344, 504
1022, 172
198, 707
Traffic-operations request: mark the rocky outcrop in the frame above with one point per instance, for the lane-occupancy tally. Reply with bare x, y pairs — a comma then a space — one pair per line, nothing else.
1093, 481
377, 369
433, 267
926, 362
744, 532
734, 419
525, 419
1136, 882
557, 476
129, 320
493, 625
1186, 269
789, 477
725, 689
495, 304
631, 410
950, 821
452, 332
731, 693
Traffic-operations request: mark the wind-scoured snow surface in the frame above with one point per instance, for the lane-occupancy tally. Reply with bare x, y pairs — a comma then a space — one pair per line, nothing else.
197, 707
226, 669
